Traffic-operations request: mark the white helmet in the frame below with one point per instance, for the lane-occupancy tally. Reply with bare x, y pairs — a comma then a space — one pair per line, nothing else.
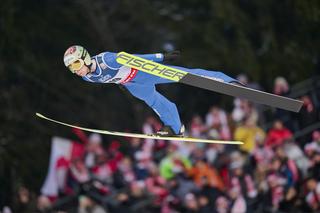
75, 57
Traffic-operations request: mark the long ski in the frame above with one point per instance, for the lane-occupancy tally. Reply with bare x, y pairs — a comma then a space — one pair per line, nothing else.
181, 76
143, 136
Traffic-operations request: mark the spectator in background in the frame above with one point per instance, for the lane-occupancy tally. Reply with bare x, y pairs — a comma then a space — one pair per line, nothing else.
244, 79
133, 200
187, 149
308, 114
62, 168
261, 154
315, 143
43, 203
122, 203
243, 111
25, 201
295, 153
242, 182
203, 170
261, 158
217, 119
134, 145
102, 170
239, 111
93, 149
260, 176
211, 192
235, 158
173, 164
190, 204
156, 185
314, 168
204, 206
282, 180
288, 167
222, 205
6, 209
114, 155
248, 133
179, 186
289, 202
313, 194
76, 166
140, 201
142, 164
90, 148
278, 134
312, 148
242, 107
197, 127
281, 87
124, 173
312, 151
87, 205
213, 151
197, 154
78, 175
238, 203
151, 126
277, 183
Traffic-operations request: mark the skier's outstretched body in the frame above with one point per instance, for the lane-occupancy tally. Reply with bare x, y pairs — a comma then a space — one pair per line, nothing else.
103, 68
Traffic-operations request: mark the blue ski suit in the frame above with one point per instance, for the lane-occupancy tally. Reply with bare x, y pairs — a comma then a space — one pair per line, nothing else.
142, 85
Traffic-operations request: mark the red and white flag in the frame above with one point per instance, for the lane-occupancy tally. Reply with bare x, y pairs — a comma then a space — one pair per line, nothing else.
62, 151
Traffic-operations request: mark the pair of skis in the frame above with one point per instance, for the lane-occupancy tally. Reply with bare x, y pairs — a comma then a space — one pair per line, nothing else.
181, 76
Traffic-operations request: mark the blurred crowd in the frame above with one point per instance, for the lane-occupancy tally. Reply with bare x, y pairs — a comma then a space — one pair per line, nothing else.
273, 171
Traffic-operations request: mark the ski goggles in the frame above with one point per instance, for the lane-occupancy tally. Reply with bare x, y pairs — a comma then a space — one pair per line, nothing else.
76, 65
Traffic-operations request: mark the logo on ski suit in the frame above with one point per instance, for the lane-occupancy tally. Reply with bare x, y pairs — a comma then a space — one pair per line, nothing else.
150, 67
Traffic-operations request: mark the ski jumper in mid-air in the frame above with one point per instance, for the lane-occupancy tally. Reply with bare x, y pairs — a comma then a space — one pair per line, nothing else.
104, 68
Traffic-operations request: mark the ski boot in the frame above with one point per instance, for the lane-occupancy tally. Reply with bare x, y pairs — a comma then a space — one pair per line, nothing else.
167, 131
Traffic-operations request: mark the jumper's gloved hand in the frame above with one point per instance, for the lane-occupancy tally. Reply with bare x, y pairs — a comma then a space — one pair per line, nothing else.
171, 56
